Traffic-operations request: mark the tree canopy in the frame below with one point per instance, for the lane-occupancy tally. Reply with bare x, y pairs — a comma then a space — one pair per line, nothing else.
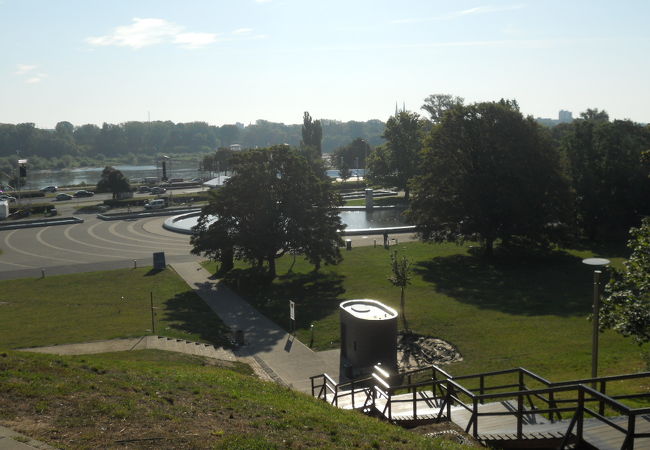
275, 203
608, 174
626, 306
437, 104
489, 173
351, 156
399, 159
113, 181
312, 137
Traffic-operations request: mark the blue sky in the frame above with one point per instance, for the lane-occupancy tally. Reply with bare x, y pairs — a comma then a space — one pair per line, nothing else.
222, 62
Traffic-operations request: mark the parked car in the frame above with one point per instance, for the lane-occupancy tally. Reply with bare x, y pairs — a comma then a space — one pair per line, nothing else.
49, 189
83, 193
144, 189
61, 197
158, 190
156, 204
8, 198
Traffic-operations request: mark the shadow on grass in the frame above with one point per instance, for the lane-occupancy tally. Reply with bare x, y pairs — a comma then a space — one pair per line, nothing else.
316, 294
153, 272
609, 249
556, 284
188, 313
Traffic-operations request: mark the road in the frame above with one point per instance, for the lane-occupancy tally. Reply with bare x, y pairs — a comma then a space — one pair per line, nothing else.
94, 199
101, 245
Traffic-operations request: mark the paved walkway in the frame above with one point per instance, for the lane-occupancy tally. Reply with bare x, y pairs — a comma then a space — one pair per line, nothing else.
287, 358
10, 440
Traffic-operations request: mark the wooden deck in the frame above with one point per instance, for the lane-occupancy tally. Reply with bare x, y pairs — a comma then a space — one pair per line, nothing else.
504, 427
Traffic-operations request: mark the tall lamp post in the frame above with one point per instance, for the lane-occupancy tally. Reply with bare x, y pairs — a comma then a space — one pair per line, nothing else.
597, 263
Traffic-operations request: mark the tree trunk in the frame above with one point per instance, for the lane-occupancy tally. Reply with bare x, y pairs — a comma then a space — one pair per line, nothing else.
271, 261
489, 247
227, 259
402, 302
407, 192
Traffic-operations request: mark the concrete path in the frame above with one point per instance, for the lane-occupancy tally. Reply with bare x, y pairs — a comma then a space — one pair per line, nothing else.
141, 343
10, 440
290, 360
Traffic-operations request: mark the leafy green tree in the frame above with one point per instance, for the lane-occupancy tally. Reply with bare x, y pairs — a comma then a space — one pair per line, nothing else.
113, 181
312, 137
400, 277
626, 306
437, 104
352, 155
275, 203
611, 182
399, 160
488, 173
343, 168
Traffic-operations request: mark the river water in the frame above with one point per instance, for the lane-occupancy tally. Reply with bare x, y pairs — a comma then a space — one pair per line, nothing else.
90, 175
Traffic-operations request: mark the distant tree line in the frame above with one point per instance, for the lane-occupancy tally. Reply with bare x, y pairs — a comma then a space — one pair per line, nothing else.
132, 142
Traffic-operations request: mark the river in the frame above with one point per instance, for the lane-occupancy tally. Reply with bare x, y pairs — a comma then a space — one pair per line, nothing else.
186, 170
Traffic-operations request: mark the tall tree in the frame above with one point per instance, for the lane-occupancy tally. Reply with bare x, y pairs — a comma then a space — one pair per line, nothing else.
353, 155
437, 104
275, 202
489, 173
609, 177
113, 181
401, 153
400, 277
626, 306
312, 137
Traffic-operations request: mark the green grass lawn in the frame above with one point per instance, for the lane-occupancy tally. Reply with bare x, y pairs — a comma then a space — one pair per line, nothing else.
379, 201
102, 305
501, 313
153, 399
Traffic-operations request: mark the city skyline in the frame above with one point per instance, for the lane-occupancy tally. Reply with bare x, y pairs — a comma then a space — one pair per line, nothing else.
222, 63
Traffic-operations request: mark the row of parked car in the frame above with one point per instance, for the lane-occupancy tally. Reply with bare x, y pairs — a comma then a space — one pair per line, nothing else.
82, 193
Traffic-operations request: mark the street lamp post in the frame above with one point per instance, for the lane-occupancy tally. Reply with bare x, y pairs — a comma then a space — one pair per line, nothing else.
596, 262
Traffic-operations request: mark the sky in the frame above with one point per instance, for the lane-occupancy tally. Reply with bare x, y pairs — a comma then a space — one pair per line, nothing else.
227, 61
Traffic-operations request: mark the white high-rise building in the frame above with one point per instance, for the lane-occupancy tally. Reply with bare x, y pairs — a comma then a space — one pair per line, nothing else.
565, 116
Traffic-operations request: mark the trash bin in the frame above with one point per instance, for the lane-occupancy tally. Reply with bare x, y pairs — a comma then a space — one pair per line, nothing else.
348, 244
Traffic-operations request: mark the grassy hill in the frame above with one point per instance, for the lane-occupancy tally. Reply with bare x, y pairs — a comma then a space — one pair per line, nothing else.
154, 399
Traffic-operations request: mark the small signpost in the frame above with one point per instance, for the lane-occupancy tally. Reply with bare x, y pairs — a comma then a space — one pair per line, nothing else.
292, 316
159, 261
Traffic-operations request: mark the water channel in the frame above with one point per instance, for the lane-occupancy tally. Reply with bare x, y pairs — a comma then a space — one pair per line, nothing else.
90, 175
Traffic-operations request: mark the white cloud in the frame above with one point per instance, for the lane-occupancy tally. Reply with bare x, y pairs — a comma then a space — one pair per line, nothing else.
195, 40
243, 31
36, 78
146, 32
462, 13
22, 69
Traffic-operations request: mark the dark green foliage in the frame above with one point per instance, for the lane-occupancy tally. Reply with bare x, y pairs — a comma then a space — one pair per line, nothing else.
351, 156
312, 137
275, 203
609, 177
489, 173
141, 142
437, 104
398, 161
113, 181
626, 307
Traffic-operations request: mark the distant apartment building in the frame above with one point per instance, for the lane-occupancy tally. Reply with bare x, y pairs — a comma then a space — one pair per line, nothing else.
565, 116
235, 147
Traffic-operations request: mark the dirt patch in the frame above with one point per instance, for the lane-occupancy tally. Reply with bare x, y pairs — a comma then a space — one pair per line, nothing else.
415, 351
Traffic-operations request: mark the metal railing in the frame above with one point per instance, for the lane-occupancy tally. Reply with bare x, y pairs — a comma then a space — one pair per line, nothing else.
331, 391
